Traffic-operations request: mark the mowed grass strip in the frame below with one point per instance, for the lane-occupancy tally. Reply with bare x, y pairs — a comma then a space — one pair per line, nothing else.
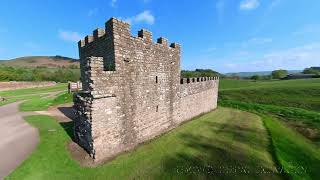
32, 91
43, 103
225, 143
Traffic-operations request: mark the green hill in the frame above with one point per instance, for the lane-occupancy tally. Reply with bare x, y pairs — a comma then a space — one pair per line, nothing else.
41, 61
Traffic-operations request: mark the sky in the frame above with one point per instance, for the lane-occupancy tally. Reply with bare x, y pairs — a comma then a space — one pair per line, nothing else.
223, 35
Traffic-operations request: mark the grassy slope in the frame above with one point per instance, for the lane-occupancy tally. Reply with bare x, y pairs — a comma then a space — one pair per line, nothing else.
34, 61
299, 156
226, 140
295, 101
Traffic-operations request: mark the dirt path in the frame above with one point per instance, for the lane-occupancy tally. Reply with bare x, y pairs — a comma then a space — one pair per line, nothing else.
18, 138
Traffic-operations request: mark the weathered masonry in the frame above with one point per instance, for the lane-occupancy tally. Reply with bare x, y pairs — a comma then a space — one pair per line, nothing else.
132, 90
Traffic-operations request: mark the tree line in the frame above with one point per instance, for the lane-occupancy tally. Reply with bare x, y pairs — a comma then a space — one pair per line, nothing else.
72, 73
39, 74
281, 73
200, 73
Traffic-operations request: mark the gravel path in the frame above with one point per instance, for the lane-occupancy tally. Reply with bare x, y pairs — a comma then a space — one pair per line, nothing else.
18, 138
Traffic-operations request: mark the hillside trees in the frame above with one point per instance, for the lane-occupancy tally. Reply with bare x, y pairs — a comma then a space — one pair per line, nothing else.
199, 73
311, 70
277, 74
39, 74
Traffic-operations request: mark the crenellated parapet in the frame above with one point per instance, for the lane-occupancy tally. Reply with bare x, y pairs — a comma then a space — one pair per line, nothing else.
115, 27
197, 79
115, 37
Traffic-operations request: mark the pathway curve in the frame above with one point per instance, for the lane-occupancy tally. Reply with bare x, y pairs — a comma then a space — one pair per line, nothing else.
18, 138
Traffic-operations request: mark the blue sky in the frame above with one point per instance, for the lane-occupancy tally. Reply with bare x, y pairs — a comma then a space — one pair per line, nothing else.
224, 35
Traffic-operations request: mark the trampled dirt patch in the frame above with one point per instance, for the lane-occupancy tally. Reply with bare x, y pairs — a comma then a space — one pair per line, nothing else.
64, 114
80, 155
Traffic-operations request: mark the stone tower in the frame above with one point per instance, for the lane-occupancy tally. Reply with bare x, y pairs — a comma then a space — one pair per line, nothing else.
132, 90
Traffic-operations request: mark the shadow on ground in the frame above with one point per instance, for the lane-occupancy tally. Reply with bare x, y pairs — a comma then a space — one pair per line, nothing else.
229, 150
68, 125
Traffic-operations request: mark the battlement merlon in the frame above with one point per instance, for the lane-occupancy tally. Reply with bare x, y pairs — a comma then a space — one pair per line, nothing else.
115, 27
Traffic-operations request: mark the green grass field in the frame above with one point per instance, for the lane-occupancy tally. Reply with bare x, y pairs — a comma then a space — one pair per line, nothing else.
283, 93
225, 143
42, 103
297, 102
226, 84
290, 110
30, 93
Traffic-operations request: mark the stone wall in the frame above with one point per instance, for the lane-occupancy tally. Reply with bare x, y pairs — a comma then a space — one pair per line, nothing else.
11, 85
132, 90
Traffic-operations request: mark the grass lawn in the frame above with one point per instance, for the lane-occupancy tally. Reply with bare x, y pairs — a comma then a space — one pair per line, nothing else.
226, 144
298, 156
40, 103
226, 84
302, 93
289, 109
29, 93
297, 102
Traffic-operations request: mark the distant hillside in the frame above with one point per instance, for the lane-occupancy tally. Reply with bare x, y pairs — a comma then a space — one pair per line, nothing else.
260, 73
41, 61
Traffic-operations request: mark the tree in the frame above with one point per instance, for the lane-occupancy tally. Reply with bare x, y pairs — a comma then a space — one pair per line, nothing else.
255, 77
312, 70
199, 73
277, 74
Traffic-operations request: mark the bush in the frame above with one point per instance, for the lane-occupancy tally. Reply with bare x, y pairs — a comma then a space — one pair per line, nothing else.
312, 70
256, 77
277, 74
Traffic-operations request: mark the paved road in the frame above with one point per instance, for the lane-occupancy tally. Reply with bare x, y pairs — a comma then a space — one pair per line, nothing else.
17, 138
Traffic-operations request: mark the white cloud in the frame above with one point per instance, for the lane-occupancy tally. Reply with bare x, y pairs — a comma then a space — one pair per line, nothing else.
143, 17
249, 4
113, 3
69, 36
292, 59
92, 12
